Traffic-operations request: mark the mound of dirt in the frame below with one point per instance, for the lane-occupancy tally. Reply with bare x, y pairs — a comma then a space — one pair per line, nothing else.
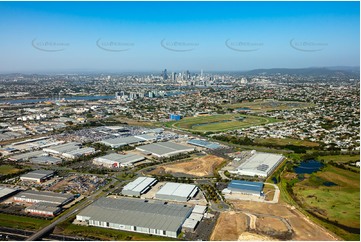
230, 226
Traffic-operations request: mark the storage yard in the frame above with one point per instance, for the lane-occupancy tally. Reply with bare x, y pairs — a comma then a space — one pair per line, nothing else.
198, 166
83, 184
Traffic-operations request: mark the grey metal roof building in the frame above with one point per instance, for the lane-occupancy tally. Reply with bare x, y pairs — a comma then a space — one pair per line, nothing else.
63, 148
190, 225
45, 160
177, 192
26, 156
37, 176
31, 196
79, 152
116, 160
122, 141
245, 187
142, 216
43, 209
164, 149
118, 142
138, 186
259, 164
6, 192
203, 143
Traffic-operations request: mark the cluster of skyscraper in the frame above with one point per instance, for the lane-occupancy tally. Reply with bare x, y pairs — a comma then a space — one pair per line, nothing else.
174, 76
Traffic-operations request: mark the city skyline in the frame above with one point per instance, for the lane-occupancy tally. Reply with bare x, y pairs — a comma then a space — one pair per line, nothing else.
150, 36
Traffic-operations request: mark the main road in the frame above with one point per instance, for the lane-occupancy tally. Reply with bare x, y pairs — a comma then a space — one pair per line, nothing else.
86, 202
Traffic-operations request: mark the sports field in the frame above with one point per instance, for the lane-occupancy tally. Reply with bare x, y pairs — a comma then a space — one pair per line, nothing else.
221, 122
268, 105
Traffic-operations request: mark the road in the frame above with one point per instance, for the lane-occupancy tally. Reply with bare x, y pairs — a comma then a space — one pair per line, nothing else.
276, 195
86, 202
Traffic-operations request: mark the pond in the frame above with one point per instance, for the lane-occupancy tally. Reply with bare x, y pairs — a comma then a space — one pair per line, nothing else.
329, 184
308, 167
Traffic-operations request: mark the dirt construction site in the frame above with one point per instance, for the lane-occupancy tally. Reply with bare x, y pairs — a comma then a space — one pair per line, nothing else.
199, 166
260, 221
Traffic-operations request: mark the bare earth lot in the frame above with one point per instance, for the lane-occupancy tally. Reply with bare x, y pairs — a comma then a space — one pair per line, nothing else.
302, 227
199, 166
230, 225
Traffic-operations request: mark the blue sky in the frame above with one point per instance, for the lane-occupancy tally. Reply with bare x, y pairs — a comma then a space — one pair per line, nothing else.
151, 36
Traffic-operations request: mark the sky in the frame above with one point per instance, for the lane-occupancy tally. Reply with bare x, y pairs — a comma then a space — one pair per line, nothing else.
152, 36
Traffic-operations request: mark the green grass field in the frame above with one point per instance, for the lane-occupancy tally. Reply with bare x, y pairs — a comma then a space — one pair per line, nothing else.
221, 122
21, 222
339, 158
8, 169
339, 203
268, 105
283, 142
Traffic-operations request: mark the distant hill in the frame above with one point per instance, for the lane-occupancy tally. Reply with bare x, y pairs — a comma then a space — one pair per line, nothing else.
317, 71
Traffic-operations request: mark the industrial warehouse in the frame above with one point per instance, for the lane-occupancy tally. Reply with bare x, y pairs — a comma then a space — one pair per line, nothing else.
37, 176
43, 209
142, 216
79, 152
116, 160
63, 148
177, 192
203, 143
164, 149
139, 186
6, 192
46, 197
122, 141
259, 164
244, 187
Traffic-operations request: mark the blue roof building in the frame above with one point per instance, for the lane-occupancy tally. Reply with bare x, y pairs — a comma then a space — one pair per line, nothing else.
245, 187
203, 143
175, 117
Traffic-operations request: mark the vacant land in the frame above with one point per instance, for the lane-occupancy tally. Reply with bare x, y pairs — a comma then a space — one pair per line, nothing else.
221, 122
303, 228
284, 142
269, 192
268, 105
199, 166
129, 121
339, 158
230, 226
8, 169
333, 194
22, 222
